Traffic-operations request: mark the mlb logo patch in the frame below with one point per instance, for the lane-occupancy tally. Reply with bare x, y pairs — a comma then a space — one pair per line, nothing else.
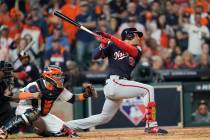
133, 109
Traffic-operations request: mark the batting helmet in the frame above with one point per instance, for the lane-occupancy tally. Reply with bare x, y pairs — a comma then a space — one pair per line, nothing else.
128, 33
54, 75
23, 55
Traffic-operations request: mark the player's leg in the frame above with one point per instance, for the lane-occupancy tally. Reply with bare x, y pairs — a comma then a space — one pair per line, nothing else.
123, 89
21, 109
109, 110
19, 120
51, 125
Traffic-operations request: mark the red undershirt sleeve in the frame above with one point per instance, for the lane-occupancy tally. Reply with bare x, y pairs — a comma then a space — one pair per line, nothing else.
131, 50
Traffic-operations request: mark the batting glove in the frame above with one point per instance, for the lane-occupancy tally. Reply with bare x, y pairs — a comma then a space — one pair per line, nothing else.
104, 41
106, 35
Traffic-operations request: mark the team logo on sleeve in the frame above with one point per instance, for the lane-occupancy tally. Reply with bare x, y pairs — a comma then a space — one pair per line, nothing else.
133, 109
119, 55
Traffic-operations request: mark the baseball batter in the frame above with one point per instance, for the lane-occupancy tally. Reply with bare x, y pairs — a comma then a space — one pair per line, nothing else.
123, 55
47, 89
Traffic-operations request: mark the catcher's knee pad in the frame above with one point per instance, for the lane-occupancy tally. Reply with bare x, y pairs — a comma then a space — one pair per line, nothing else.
30, 115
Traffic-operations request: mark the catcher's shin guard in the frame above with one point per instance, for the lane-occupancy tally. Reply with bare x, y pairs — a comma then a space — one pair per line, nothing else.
21, 120
13, 124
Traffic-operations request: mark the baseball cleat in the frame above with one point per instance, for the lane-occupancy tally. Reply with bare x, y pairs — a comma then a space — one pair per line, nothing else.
3, 134
69, 132
156, 130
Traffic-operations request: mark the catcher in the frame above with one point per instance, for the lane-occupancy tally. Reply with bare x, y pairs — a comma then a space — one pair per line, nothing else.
47, 89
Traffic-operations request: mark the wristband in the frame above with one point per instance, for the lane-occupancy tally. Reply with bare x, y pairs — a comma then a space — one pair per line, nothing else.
25, 95
82, 97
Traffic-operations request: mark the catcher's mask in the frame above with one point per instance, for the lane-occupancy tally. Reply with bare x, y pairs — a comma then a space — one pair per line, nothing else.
54, 75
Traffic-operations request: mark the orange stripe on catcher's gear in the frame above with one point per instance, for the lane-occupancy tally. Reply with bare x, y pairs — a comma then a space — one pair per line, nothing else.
25, 95
54, 75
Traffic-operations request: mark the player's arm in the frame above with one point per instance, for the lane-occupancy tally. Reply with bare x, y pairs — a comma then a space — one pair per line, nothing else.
131, 50
31, 91
88, 91
22, 95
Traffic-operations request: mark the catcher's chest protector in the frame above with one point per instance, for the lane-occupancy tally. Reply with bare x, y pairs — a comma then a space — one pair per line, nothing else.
48, 97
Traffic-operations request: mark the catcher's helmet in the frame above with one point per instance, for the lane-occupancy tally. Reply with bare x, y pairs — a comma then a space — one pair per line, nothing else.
54, 75
7, 69
128, 33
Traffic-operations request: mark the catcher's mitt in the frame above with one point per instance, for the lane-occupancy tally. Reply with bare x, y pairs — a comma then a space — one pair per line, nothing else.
89, 90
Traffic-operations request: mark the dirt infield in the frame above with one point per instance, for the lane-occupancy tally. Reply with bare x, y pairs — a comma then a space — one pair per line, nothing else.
199, 133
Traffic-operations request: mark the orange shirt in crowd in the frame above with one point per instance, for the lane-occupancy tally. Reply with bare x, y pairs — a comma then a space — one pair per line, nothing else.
70, 11
4, 18
15, 29
164, 39
202, 3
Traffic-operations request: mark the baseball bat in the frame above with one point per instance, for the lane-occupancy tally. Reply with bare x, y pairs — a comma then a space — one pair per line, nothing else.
69, 20
25, 50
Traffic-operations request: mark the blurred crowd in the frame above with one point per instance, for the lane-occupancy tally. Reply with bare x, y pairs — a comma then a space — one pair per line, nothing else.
176, 33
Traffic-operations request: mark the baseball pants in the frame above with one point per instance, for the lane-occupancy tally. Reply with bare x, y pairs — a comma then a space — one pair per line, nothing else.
115, 91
